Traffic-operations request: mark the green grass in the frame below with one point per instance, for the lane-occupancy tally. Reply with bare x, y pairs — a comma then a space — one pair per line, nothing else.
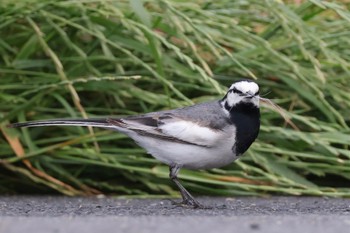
71, 59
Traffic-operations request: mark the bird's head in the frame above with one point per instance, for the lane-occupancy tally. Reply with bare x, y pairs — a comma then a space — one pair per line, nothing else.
241, 92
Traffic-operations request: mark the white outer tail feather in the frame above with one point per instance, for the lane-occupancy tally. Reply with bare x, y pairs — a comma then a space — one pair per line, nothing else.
101, 123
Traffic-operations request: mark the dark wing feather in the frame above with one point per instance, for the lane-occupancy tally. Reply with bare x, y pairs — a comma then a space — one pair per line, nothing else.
148, 126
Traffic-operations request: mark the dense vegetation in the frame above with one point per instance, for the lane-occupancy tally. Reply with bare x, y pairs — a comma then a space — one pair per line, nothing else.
91, 58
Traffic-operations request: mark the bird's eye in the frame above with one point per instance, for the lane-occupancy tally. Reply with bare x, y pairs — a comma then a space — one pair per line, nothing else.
234, 90
257, 93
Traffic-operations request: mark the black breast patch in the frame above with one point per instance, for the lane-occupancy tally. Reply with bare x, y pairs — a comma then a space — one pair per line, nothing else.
246, 118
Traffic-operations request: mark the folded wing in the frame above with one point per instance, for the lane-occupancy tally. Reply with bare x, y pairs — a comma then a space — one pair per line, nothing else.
170, 127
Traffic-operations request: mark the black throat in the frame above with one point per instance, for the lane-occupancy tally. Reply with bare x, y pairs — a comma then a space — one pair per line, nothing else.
246, 118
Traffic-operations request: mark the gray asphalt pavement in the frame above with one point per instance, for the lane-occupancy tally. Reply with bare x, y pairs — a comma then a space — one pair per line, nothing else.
275, 214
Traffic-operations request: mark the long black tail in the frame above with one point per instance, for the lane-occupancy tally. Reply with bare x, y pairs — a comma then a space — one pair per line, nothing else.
103, 123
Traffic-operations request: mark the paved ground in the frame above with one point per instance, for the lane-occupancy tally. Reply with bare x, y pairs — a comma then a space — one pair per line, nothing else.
277, 214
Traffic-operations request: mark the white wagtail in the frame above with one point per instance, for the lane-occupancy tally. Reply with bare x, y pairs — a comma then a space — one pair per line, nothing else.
201, 136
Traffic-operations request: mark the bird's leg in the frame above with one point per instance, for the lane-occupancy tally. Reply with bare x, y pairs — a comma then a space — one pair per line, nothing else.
187, 198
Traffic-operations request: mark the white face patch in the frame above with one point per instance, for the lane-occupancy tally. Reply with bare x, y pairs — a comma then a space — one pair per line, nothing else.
242, 91
245, 87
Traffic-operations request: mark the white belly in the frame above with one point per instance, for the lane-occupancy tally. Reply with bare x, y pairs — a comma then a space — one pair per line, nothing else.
187, 155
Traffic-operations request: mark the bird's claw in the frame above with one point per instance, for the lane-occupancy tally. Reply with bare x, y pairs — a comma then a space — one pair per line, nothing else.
189, 203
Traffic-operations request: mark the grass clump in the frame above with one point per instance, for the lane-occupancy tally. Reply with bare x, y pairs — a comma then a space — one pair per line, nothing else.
91, 58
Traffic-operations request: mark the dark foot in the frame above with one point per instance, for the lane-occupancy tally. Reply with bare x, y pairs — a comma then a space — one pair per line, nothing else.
221, 207
187, 199
193, 204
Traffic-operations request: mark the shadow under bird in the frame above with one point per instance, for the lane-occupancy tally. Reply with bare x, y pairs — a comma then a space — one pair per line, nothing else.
202, 136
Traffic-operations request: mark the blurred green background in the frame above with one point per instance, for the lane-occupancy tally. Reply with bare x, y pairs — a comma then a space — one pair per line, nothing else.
90, 58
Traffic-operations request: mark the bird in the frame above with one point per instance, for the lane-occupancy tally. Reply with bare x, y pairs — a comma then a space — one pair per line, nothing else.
201, 136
